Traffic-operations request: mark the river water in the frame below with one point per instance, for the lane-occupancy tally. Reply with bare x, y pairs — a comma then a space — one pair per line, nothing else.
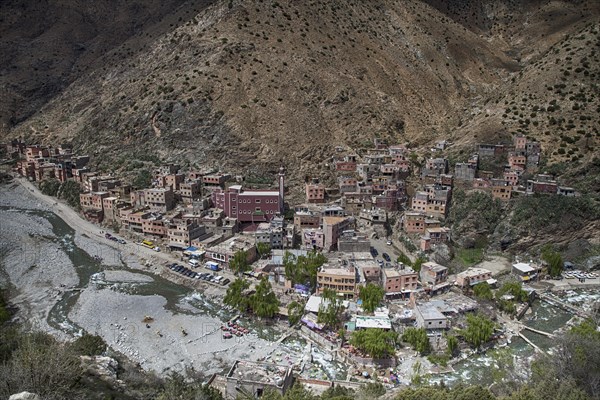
478, 369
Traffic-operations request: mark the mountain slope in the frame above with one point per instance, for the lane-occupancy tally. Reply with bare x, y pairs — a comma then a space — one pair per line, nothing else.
245, 85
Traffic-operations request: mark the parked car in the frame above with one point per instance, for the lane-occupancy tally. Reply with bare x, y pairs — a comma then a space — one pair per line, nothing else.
225, 281
374, 252
389, 242
386, 257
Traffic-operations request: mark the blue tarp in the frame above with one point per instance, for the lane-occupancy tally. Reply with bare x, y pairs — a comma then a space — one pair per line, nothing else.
300, 287
191, 248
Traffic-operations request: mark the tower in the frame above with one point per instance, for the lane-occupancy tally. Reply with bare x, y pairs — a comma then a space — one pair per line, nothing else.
281, 188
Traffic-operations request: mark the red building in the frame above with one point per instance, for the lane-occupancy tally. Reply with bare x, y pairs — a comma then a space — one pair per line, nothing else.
250, 205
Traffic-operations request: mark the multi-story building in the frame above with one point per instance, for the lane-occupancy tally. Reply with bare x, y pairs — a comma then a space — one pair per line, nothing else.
501, 190
271, 235
223, 252
419, 202
190, 191
333, 228
414, 222
472, 277
465, 171
92, 200
157, 199
215, 180
315, 192
313, 239
347, 184
433, 273
434, 236
181, 232
155, 225
517, 161
399, 282
341, 280
353, 242
251, 205
307, 219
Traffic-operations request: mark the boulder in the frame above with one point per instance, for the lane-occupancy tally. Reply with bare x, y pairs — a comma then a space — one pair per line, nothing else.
25, 396
103, 367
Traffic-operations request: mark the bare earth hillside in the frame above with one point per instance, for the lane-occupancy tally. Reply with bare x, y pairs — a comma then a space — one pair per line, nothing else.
246, 85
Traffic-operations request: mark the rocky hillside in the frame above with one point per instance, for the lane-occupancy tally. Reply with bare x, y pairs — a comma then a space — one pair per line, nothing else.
245, 85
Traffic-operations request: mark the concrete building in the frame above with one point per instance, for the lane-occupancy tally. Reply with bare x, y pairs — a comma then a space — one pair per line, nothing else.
419, 202
271, 235
313, 239
430, 318
251, 205
465, 171
307, 219
247, 379
190, 191
353, 242
433, 273
333, 228
225, 251
525, 271
434, 236
472, 277
342, 280
413, 222
399, 282
180, 233
315, 192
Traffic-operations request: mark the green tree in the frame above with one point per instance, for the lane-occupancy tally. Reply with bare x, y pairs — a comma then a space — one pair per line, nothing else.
176, 387
514, 289
50, 187
299, 392
417, 264
295, 312
483, 291
303, 269
235, 296
239, 262
70, 191
330, 309
479, 330
403, 258
554, 261
452, 345
371, 296
417, 337
263, 249
264, 302
143, 179
378, 343
371, 390
338, 392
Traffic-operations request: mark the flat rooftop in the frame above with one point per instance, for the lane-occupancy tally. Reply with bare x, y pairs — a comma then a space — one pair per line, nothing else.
364, 321
523, 267
270, 374
429, 312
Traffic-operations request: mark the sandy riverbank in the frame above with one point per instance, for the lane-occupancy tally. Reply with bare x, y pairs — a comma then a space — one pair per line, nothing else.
109, 305
33, 261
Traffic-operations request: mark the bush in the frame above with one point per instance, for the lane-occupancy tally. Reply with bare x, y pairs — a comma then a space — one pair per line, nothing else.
89, 345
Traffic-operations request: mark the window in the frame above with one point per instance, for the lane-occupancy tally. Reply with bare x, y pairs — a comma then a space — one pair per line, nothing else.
257, 201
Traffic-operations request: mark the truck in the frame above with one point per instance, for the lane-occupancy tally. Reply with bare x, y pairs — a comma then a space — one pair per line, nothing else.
213, 266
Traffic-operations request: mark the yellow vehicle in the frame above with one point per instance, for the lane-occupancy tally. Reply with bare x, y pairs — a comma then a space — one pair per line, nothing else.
148, 244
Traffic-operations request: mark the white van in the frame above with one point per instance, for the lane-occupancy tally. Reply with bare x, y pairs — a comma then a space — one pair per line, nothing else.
194, 263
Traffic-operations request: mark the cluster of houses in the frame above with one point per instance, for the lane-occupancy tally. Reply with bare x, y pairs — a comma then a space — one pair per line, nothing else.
522, 156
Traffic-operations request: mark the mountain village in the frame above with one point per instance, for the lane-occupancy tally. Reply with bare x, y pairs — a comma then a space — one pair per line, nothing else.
349, 265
